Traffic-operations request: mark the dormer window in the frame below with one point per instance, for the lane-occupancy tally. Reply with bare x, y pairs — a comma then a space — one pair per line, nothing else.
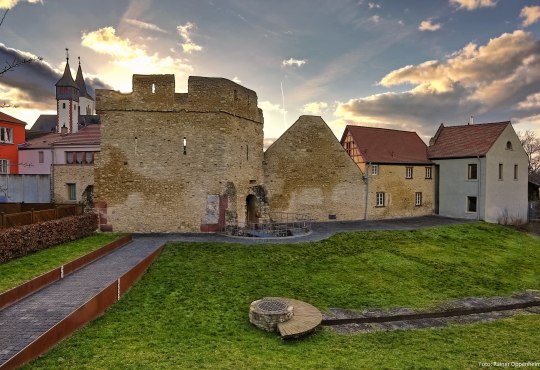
508, 145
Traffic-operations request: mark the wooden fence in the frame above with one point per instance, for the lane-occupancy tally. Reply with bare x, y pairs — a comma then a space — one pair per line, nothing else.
33, 216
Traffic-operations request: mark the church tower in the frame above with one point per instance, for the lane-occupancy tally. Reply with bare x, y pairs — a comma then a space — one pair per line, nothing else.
67, 100
86, 102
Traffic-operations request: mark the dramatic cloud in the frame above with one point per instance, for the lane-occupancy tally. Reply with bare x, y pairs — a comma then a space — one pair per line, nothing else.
427, 25
499, 77
31, 85
293, 62
130, 56
8, 4
144, 25
185, 33
373, 5
530, 15
473, 4
315, 108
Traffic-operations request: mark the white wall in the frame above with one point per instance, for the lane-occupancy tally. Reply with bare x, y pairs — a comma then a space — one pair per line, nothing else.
29, 162
506, 196
454, 187
86, 103
63, 115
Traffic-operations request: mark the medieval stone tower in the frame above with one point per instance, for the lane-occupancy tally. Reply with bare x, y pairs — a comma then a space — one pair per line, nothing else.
179, 162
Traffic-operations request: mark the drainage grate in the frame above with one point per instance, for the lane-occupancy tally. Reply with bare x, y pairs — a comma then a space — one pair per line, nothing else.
272, 305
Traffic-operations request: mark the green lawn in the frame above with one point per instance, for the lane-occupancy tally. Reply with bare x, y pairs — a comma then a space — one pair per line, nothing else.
20, 270
190, 309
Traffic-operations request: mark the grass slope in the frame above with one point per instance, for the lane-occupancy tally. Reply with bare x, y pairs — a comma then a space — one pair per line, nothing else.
190, 309
20, 270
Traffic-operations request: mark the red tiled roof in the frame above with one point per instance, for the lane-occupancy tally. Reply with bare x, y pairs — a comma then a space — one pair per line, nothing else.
466, 140
381, 145
89, 135
42, 142
7, 118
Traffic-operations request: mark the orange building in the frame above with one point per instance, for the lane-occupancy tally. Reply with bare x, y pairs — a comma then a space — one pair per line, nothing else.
11, 135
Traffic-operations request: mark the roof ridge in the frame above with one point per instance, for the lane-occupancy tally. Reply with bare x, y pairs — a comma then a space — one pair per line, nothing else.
481, 124
382, 128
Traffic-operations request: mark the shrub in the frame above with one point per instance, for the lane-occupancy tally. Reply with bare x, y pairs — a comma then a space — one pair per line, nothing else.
22, 240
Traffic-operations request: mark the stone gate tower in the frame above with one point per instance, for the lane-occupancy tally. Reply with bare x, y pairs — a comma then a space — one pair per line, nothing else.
178, 162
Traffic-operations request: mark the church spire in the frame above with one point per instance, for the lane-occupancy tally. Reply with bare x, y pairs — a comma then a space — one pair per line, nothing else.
67, 79
79, 80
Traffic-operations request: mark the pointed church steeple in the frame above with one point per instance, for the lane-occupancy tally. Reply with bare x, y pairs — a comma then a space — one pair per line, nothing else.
70, 89
67, 98
79, 80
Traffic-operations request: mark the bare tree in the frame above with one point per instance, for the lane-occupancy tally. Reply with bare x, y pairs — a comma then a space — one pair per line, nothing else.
531, 144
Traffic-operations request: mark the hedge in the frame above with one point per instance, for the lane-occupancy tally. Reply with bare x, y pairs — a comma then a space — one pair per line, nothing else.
22, 240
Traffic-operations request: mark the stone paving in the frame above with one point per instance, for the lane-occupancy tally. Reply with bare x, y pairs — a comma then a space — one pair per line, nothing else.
27, 319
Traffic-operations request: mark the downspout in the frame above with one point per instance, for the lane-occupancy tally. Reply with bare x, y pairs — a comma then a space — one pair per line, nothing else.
52, 200
367, 190
479, 187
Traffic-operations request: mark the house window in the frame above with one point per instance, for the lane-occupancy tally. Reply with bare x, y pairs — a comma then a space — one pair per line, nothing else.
375, 169
408, 172
380, 200
471, 204
41, 158
72, 191
79, 157
515, 172
418, 199
508, 145
428, 172
500, 171
4, 166
6, 135
472, 171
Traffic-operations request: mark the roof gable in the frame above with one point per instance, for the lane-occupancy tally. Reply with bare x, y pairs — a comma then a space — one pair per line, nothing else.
465, 140
381, 145
7, 118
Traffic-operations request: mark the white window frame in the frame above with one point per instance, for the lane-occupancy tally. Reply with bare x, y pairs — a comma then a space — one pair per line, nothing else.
374, 169
408, 173
379, 199
6, 135
418, 199
428, 173
4, 166
469, 165
72, 195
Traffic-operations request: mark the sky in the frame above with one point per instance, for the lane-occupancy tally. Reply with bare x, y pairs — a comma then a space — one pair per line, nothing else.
398, 64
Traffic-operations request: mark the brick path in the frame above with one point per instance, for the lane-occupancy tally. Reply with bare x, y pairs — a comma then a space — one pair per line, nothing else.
27, 319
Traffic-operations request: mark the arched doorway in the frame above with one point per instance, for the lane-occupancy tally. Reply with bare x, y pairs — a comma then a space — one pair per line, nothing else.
252, 210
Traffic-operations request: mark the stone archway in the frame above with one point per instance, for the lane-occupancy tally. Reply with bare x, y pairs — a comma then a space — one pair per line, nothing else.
252, 210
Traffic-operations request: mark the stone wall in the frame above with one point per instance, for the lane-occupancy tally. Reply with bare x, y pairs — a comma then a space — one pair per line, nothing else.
400, 192
308, 171
176, 162
80, 175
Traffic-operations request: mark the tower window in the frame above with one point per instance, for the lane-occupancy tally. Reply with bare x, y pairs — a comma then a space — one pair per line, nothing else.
508, 145
153, 88
63, 105
185, 145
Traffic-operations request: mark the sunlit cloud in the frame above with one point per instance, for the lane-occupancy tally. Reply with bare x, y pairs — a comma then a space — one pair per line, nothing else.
375, 19
293, 62
269, 107
144, 25
132, 57
237, 80
185, 33
501, 76
8, 4
473, 4
315, 108
530, 15
428, 25
374, 5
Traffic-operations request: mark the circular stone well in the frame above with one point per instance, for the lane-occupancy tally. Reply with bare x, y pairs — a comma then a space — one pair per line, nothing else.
268, 312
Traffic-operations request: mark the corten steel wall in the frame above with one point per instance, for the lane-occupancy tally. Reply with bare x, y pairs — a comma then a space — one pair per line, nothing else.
400, 192
143, 176
308, 171
78, 318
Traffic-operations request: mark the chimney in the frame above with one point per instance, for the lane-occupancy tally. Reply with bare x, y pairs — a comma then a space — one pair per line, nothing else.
471, 120
64, 130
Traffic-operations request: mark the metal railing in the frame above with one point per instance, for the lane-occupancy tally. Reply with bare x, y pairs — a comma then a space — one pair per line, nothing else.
275, 225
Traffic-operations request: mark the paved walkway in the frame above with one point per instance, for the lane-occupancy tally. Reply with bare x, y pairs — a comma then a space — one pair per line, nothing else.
27, 319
